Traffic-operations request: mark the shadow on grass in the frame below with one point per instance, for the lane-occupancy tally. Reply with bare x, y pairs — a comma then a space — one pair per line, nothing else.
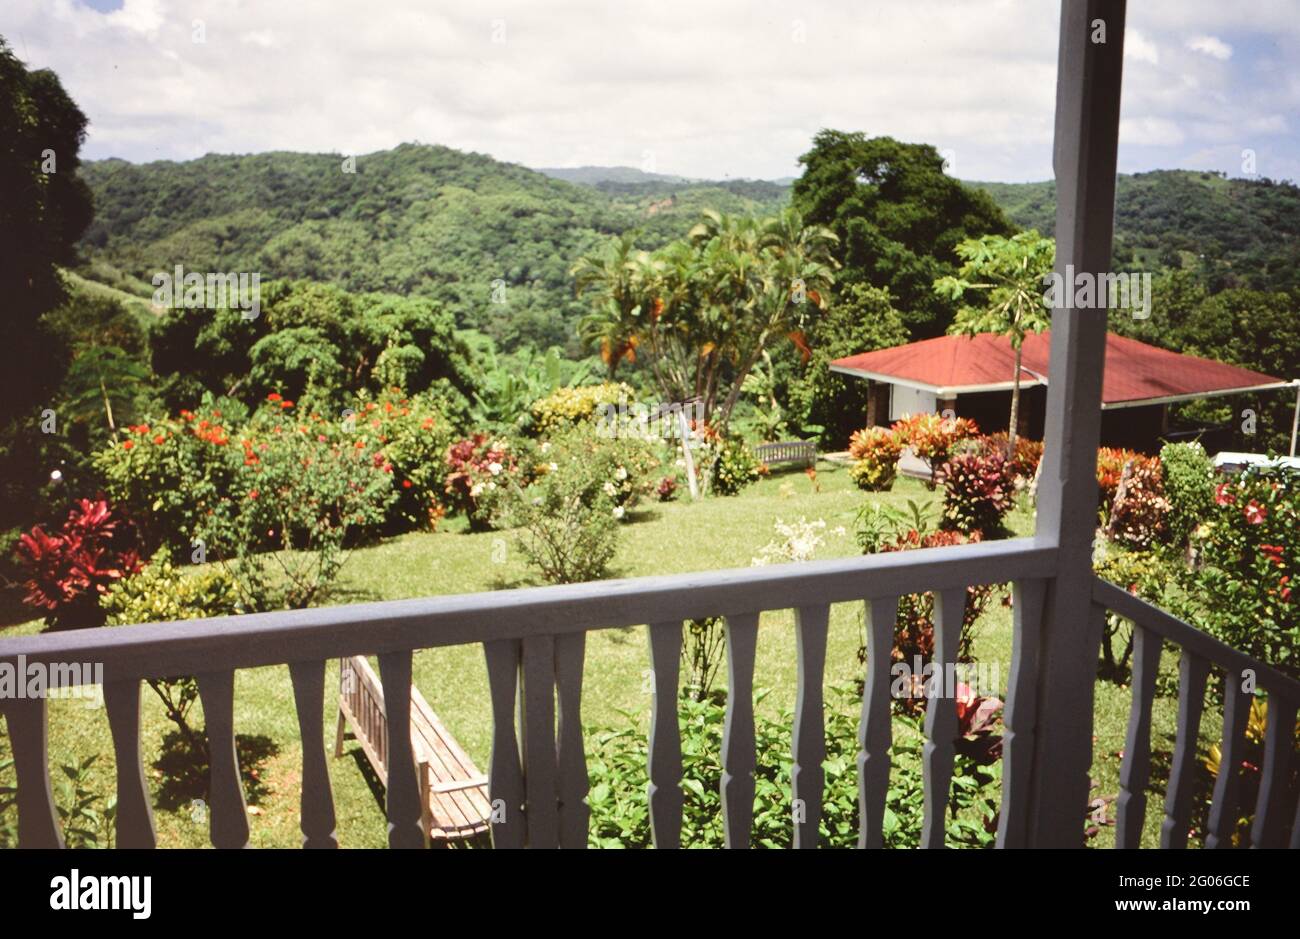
184, 767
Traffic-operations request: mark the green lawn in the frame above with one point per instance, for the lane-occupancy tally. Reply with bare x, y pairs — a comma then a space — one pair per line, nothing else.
662, 538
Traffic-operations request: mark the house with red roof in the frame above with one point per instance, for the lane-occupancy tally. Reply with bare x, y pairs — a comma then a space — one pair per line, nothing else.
973, 376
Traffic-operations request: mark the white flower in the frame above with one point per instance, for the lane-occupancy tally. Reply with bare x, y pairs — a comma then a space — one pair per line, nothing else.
476, 490
681, 463
546, 448
537, 500
609, 489
620, 473
494, 468
552, 466
618, 512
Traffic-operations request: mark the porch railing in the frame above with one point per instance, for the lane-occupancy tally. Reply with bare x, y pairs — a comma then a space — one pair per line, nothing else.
534, 642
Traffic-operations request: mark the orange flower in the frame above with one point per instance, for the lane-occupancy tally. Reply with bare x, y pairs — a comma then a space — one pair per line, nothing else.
128, 445
273, 396
161, 438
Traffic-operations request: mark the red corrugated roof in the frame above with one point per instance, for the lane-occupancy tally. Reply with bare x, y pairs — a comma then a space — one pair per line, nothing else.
1135, 371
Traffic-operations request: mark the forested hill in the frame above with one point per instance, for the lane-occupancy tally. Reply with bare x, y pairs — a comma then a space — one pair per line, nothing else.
1244, 233
422, 220
435, 222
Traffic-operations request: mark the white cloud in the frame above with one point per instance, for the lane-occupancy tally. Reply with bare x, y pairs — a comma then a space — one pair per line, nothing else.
726, 88
1212, 46
1139, 48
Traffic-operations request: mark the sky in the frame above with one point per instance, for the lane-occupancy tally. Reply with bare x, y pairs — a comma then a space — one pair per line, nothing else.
708, 88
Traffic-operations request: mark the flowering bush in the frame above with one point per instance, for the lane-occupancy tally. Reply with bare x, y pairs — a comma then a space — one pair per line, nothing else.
1242, 588
478, 467
566, 406
175, 476
301, 495
619, 468
67, 572
875, 452
413, 434
978, 491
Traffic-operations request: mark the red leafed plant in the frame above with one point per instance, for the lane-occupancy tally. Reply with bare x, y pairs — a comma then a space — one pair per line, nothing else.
68, 571
978, 492
977, 723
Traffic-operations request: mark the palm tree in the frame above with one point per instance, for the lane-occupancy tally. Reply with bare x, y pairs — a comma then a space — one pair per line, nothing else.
611, 275
1011, 272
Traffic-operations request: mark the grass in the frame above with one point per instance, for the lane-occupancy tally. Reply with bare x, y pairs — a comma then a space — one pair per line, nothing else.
670, 537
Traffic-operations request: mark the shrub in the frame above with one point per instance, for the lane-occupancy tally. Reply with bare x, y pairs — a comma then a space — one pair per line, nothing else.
798, 541
1024, 463
1110, 467
734, 466
176, 476
932, 437
875, 452
1143, 574
880, 529
666, 490
477, 465
413, 433
301, 496
978, 491
567, 406
69, 571
620, 468
163, 593
1187, 475
1241, 589
1137, 516
567, 531
620, 813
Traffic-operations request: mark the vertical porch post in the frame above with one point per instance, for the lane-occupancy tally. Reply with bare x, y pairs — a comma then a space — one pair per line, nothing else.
1087, 131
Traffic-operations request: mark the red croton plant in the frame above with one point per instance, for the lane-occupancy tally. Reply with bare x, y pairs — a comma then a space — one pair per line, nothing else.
69, 570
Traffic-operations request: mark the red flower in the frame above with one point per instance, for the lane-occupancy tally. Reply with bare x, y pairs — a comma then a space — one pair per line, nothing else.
161, 438
286, 404
128, 445
273, 396
406, 484
1222, 496
252, 494
1254, 512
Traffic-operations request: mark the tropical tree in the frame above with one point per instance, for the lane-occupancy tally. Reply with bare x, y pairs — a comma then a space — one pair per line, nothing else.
611, 276
1010, 274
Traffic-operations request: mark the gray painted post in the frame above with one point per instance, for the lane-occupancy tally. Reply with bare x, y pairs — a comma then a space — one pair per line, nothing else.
1087, 131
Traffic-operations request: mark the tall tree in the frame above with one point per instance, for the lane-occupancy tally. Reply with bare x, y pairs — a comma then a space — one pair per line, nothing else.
1009, 275
610, 277
898, 215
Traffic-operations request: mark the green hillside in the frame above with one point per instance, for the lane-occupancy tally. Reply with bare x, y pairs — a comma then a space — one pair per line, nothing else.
1239, 232
416, 220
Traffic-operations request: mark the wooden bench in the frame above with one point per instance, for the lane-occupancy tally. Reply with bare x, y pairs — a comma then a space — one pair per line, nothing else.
453, 793
787, 451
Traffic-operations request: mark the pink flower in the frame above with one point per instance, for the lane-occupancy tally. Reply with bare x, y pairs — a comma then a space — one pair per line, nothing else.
1254, 512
